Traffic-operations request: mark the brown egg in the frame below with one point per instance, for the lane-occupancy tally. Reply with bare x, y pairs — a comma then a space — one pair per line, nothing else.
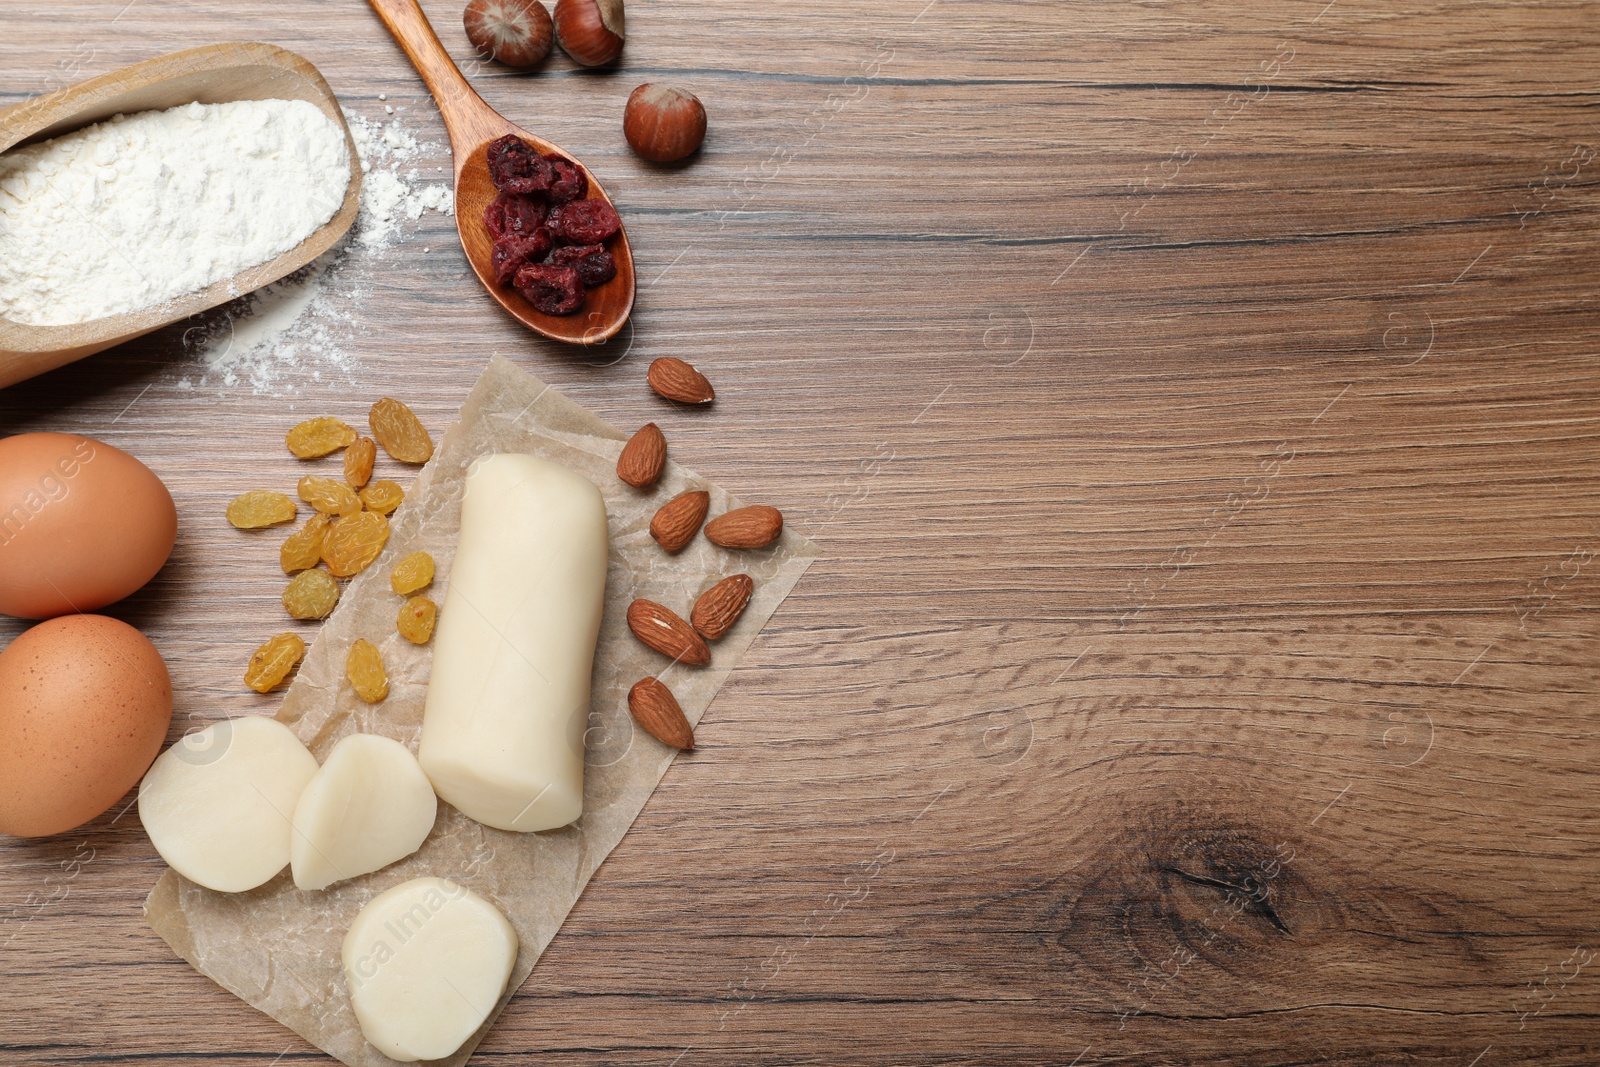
82, 525
85, 702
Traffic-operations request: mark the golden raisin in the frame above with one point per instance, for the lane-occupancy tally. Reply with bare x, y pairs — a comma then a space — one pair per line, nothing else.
328, 496
354, 542
400, 432
358, 460
303, 549
382, 497
412, 573
417, 616
364, 668
318, 437
260, 507
271, 663
311, 595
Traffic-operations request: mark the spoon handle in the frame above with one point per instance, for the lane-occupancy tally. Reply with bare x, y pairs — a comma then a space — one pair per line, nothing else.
467, 118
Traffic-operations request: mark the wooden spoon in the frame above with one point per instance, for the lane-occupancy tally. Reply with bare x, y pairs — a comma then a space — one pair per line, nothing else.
473, 125
212, 74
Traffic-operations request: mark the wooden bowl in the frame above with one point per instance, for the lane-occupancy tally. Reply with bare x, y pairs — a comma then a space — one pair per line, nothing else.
212, 74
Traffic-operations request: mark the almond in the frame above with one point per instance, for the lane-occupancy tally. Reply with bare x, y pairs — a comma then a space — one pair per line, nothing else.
664, 630
720, 606
679, 519
756, 526
643, 457
656, 709
676, 380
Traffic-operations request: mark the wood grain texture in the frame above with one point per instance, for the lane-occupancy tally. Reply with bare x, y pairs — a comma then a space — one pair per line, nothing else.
1197, 403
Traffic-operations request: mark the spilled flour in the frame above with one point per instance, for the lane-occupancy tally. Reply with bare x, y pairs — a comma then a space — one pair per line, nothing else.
299, 328
388, 196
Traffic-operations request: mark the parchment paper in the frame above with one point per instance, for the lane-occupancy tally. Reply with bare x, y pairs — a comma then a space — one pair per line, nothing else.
277, 947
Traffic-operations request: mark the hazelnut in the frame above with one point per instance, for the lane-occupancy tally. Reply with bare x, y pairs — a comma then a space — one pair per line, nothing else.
663, 124
591, 31
513, 32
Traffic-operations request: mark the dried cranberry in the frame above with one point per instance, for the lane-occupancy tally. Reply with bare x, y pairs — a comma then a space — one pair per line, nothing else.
535, 182
494, 218
515, 214
515, 167
514, 251
592, 262
551, 289
509, 154
583, 222
569, 183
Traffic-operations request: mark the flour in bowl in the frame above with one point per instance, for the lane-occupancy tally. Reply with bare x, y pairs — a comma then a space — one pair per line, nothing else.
147, 207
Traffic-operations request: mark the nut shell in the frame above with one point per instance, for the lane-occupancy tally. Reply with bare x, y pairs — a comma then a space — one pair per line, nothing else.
591, 31
664, 124
514, 32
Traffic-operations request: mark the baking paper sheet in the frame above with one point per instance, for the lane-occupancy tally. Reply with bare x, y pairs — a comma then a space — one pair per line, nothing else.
277, 947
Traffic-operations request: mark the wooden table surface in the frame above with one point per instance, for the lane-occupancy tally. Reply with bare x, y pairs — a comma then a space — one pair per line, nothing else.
1198, 405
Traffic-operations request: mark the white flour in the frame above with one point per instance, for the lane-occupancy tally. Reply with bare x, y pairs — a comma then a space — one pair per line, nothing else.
291, 332
386, 195
143, 208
